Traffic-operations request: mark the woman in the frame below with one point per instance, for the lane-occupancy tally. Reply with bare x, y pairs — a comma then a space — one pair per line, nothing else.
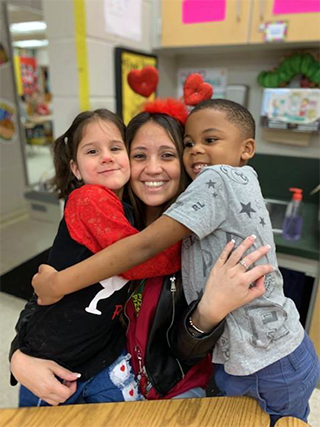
157, 178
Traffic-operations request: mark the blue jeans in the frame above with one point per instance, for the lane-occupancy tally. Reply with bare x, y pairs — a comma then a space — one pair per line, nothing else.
282, 388
191, 394
114, 384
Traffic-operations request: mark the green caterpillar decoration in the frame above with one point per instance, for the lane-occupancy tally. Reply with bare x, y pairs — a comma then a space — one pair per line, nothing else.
297, 63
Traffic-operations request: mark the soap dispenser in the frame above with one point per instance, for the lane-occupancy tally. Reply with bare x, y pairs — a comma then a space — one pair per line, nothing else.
292, 225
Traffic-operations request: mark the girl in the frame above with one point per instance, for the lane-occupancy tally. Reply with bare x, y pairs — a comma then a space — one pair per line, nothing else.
83, 332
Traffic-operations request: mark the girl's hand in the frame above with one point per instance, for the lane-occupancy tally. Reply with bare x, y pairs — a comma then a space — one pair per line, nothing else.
44, 285
228, 286
39, 376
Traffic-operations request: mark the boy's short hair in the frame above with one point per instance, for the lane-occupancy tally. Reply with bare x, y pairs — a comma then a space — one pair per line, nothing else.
235, 113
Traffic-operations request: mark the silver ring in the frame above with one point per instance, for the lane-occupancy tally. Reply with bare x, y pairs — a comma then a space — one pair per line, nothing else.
244, 264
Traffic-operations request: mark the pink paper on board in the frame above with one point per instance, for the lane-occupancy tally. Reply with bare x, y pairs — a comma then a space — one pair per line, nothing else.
196, 11
295, 6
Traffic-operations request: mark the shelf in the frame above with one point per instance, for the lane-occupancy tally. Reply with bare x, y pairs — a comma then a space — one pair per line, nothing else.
235, 49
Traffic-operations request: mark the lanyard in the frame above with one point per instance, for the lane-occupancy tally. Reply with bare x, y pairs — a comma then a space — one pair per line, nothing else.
137, 296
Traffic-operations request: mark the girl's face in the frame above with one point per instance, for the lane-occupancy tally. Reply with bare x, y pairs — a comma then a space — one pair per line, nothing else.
155, 166
102, 158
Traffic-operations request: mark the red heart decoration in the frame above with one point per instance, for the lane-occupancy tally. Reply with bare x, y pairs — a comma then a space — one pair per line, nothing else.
131, 392
122, 368
195, 90
145, 81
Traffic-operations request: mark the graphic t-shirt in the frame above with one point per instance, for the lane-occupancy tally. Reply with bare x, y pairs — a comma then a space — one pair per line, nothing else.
221, 204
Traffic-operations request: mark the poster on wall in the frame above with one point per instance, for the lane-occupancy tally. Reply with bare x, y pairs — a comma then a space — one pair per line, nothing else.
7, 126
144, 67
295, 106
29, 75
216, 77
123, 18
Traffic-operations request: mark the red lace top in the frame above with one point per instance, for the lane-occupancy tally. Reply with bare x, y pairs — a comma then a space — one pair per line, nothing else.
95, 218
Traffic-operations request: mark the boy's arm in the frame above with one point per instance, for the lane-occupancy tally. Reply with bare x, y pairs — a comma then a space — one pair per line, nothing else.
111, 261
95, 218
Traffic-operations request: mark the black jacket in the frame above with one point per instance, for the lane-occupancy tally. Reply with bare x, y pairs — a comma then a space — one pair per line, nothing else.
171, 349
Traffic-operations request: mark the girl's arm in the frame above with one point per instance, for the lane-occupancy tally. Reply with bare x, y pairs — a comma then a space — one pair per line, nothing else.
51, 286
95, 218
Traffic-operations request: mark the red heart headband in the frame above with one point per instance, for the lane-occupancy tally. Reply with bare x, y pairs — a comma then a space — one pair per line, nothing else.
195, 90
145, 82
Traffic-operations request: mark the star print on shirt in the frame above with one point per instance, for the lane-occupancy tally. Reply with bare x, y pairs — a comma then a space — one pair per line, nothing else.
247, 209
262, 222
211, 184
214, 195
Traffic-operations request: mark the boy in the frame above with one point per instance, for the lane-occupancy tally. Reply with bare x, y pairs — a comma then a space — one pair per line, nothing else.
264, 351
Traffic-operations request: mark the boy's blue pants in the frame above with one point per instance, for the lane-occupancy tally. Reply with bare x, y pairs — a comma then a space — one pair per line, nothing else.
282, 388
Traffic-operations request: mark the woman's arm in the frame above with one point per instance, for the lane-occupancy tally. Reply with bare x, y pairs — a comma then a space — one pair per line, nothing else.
50, 286
40, 377
227, 288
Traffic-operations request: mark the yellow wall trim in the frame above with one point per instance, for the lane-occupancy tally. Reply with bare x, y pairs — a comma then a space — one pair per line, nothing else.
81, 53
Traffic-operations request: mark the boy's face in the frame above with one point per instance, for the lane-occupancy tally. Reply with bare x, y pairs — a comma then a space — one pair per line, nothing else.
211, 139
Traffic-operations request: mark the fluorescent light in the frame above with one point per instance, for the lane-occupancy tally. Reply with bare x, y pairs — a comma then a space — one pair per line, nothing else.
28, 27
30, 43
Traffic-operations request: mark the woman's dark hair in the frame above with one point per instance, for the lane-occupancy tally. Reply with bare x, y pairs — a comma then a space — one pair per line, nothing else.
66, 146
175, 131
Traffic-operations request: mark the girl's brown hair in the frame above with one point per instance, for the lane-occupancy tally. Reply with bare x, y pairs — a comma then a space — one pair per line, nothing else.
175, 131
66, 146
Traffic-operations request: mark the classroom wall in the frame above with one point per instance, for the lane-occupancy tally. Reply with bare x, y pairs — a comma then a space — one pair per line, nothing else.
59, 16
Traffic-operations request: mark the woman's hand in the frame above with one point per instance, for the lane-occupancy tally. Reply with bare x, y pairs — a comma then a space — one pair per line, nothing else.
44, 285
228, 286
39, 376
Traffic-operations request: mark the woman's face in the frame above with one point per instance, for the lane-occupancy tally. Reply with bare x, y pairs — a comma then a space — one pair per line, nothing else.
155, 165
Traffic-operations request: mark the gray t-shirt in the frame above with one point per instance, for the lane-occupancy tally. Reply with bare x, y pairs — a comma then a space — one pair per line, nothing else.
221, 204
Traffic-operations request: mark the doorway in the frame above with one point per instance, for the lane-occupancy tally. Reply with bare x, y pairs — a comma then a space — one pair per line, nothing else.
32, 77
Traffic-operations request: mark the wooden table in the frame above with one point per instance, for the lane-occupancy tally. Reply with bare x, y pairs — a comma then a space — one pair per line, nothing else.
206, 412
290, 422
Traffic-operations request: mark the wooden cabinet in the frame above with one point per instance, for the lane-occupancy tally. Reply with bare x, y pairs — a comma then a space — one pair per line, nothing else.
302, 27
230, 31
241, 24
315, 323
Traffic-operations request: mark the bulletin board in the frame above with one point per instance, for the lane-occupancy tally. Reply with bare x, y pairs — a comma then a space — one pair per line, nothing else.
129, 103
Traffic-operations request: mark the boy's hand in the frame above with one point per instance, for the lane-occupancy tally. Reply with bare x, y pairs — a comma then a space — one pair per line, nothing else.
44, 284
228, 285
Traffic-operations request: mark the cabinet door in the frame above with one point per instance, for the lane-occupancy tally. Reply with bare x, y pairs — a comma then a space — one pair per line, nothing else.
302, 27
231, 27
